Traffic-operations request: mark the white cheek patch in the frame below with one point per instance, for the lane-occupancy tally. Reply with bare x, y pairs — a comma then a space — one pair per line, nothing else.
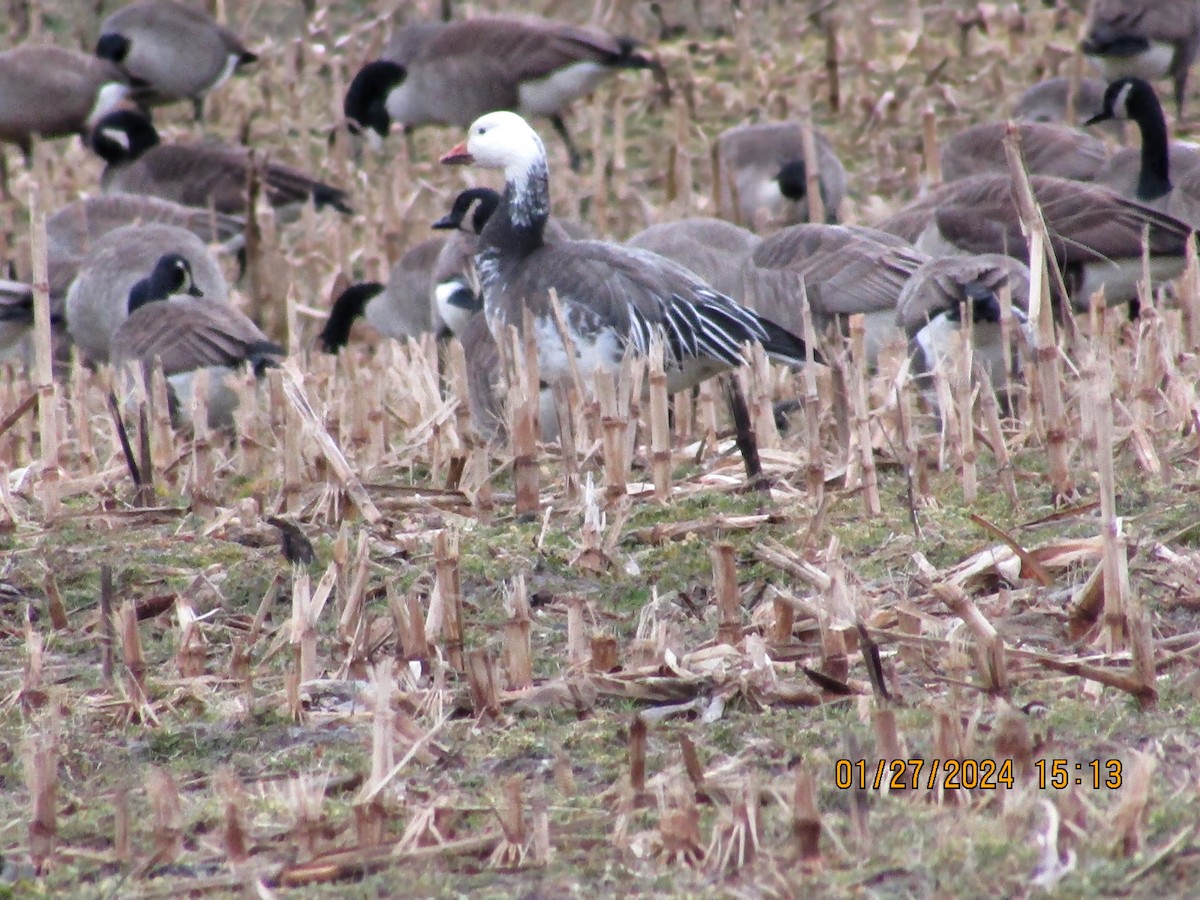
117, 136
1120, 107
108, 98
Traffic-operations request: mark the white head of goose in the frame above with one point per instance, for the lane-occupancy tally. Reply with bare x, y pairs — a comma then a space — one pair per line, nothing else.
612, 296
449, 73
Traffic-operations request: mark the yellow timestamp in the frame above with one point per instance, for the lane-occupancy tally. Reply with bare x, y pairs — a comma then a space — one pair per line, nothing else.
918, 774
1060, 774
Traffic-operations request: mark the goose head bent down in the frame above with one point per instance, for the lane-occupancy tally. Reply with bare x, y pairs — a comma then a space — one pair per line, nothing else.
612, 296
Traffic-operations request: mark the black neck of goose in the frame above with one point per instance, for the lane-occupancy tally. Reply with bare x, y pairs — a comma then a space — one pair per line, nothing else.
1154, 180
520, 220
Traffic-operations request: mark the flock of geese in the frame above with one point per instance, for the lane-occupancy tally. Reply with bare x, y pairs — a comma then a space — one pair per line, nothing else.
132, 276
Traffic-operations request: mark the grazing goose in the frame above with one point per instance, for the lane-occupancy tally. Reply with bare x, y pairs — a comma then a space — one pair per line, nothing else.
1146, 175
196, 174
612, 297
177, 51
49, 92
449, 73
762, 180
398, 309
1049, 149
1095, 233
942, 293
98, 299
169, 319
712, 248
843, 270
1051, 101
1147, 39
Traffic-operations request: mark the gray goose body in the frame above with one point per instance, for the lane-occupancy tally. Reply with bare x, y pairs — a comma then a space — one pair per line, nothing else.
192, 334
449, 73
207, 175
1051, 101
177, 50
49, 92
1147, 39
612, 296
98, 299
712, 248
70, 233
1095, 234
761, 175
842, 270
1049, 149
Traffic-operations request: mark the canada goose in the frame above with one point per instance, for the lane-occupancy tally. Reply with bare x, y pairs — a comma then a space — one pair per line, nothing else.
764, 165
712, 248
612, 297
169, 319
942, 293
449, 73
1095, 233
398, 309
196, 174
1146, 175
51, 92
455, 291
1147, 39
98, 299
178, 51
842, 269
1049, 100
73, 228
1048, 148
455, 282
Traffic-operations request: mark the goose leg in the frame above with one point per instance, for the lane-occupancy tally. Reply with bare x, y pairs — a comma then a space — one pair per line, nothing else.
747, 440
561, 127
198, 109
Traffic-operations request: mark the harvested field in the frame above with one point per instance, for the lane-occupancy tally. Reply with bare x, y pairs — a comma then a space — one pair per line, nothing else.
356, 649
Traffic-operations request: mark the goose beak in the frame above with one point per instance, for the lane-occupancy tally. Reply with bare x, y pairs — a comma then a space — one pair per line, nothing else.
459, 155
445, 223
194, 291
1098, 118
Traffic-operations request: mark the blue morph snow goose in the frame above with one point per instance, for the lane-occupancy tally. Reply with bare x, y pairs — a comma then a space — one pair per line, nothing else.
612, 296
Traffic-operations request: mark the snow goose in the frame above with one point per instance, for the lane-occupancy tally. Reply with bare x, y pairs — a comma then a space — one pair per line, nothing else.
1148, 39
196, 174
762, 180
612, 296
449, 73
177, 51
